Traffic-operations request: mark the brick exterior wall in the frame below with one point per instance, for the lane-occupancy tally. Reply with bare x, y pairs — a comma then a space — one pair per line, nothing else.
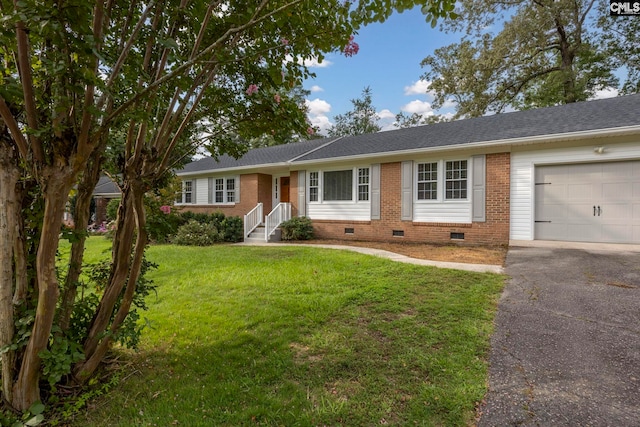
494, 231
254, 188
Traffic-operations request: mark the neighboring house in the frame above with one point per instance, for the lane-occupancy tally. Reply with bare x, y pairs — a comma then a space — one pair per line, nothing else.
569, 172
105, 191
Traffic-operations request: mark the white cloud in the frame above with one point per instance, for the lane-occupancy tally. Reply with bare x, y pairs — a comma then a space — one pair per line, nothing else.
608, 92
311, 63
318, 106
386, 114
386, 119
421, 87
316, 88
318, 111
419, 107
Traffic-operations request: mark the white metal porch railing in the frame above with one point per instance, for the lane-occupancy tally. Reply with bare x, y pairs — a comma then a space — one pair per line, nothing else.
279, 214
252, 220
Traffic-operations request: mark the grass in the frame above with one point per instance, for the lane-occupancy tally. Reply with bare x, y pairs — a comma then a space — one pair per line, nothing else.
302, 336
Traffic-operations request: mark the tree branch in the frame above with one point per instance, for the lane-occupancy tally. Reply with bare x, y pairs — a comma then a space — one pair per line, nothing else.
24, 69
14, 129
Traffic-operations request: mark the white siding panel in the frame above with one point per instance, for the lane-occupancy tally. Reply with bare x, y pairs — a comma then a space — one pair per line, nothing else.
523, 165
450, 212
360, 211
202, 191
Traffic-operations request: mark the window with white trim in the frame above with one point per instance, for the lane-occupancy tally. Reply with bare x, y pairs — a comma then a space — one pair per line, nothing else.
223, 190
337, 185
348, 185
456, 172
314, 185
363, 184
187, 192
231, 190
428, 181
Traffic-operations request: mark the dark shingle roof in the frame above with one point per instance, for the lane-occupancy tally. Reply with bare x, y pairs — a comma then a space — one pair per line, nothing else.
259, 156
578, 117
105, 187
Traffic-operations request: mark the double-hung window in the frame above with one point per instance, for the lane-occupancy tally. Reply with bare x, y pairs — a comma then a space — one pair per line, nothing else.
456, 173
314, 185
187, 192
442, 180
222, 190
428, 181
363, 184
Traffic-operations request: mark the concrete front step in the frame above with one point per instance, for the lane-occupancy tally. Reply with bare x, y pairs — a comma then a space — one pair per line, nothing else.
257, 235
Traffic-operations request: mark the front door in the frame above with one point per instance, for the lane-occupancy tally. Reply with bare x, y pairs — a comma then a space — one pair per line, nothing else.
284, 189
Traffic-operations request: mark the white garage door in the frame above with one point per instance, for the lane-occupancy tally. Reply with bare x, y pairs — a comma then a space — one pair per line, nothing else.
594, 202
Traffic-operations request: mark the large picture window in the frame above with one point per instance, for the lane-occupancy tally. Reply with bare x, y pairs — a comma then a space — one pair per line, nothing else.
349, 185
338, 185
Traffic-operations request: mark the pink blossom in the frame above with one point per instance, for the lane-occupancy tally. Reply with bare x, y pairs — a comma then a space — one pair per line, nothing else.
277, 98
284, 41
166, 209
252, 89
310, 130
351, 48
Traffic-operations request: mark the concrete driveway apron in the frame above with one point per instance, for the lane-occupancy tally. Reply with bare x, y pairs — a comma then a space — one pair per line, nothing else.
566, 348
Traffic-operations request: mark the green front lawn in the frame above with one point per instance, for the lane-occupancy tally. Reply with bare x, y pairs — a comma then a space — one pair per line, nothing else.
302, 336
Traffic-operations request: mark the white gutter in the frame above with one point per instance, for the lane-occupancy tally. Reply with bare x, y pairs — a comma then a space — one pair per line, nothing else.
236, 168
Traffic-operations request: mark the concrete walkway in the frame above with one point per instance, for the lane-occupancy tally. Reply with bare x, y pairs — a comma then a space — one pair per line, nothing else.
479, 268
566, 345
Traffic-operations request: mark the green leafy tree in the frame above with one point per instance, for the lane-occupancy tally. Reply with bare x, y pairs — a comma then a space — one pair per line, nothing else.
619, 41
363, 119
416, 119
546, 53
134, 85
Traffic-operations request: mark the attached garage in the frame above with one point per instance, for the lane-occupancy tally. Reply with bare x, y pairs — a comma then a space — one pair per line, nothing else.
591, 202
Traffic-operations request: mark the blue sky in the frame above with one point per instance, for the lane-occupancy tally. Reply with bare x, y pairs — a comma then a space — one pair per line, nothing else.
388, 62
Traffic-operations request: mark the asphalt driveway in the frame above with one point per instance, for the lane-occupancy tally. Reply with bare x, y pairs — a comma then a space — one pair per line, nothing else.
566, 348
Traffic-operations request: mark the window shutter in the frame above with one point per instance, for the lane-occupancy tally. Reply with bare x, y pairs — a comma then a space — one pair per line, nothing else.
478, 194
407, 191
375, 191
210, 191
302, 194
194, 187
236, 198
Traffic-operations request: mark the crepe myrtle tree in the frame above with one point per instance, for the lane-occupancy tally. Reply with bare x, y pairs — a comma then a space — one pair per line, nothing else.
129, 83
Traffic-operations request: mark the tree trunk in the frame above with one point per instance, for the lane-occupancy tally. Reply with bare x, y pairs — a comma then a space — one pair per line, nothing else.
9, 213
57, 183
81, 216
121, 261
88, 367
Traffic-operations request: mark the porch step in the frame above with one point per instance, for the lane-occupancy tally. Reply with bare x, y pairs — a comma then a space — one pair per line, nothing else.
257, 235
